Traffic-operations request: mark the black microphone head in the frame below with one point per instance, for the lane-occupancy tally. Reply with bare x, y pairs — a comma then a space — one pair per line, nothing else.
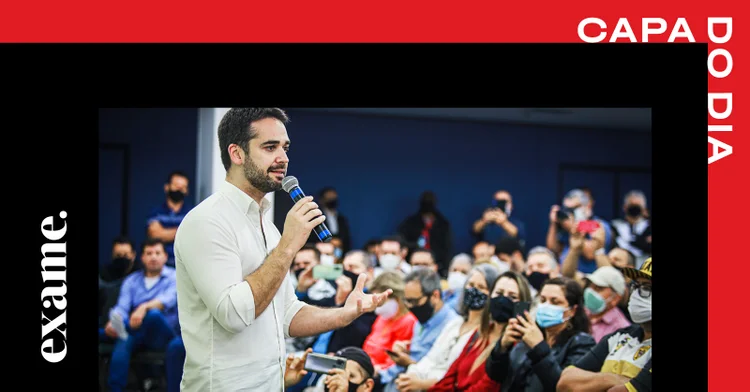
289, 183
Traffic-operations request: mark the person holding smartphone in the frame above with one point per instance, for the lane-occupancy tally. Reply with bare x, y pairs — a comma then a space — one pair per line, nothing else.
235, 295
496, 221
535, 349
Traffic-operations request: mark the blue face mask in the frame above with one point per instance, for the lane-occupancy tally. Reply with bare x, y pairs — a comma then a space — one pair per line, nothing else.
548, 315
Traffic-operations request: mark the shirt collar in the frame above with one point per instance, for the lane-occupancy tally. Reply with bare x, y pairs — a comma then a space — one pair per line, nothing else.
242, 200
438, 317
609, 317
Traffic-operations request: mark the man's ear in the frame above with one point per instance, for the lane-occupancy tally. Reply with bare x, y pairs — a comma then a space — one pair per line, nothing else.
369, 385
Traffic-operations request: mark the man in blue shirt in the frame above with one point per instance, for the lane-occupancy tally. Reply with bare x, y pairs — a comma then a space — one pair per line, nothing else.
496, 222
422, 296
163, 221
146, 312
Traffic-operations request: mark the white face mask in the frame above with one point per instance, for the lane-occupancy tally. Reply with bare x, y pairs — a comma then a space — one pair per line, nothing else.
388, 310
389, 261
639, 308
326, 259
580, 214
456, 280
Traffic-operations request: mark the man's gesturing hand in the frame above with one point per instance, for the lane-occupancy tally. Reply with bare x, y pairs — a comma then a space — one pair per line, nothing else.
359, 302
300, 220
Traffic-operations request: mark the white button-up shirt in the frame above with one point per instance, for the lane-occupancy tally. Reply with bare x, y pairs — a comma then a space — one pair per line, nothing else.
218, 244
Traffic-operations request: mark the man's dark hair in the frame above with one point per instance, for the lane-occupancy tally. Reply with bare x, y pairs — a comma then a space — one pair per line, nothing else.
177, 173
428, 279
152, 242
235, 128
325, 190
121, 239
395, 238
310, 246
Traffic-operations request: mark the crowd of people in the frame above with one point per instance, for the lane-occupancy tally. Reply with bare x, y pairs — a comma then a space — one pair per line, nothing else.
222, 295
571, 314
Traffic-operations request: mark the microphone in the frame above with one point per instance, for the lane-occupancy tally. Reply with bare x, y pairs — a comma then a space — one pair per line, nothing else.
291, 185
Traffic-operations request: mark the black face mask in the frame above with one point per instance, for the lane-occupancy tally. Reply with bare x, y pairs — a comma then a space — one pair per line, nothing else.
536, 279
423, 312
176, 196
634, 211
474, 299
333, 203
298, 272
119, 267
352, 276
501, 308
352, 387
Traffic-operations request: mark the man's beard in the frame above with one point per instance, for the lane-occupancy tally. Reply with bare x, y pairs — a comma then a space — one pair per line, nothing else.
260, 179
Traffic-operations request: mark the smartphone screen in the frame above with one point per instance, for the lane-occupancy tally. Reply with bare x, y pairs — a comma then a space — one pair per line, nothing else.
328, 272
520, 308
500, 204
320, 363
588, 226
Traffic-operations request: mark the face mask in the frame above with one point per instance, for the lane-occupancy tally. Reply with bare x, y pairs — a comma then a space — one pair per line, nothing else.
337, 253
580, 214
389, 261
332, 204
352, 387
423, 312
176, 196
456, 280
639, 308
536, 279
634, 210
417, 268
501, 308
474, 299
352, 276
119, 266
594, 301
298, 272
548, 315
388, 310
326, 260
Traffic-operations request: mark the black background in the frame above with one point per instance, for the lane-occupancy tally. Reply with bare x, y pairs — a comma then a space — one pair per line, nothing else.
50, 142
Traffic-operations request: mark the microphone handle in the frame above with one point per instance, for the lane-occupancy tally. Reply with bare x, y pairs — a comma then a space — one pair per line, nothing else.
321, 230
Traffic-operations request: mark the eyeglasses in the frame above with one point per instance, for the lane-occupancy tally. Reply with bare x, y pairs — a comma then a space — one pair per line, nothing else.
412, 302
644, 289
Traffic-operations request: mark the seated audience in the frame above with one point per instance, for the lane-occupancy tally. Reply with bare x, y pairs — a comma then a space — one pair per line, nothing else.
451, 341
621, 361
604, 291
468, 371
534, 350
146, 312
394, 321
457, 276
422, 296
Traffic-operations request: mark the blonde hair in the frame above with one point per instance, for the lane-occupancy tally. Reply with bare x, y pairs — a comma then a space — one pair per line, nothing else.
389, 280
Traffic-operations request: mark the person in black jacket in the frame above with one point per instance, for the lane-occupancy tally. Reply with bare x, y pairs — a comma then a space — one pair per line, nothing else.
429, 229
534, 350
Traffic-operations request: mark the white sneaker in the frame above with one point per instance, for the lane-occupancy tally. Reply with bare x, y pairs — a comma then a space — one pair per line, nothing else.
118, 325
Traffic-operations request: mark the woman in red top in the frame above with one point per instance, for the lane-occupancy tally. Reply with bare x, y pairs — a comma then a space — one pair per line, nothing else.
467, 373
394, 322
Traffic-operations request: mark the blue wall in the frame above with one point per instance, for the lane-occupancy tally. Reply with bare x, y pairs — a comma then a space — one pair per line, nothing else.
160, 140
380, 165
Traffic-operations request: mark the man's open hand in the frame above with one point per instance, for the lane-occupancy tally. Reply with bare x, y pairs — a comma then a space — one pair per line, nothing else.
360, 303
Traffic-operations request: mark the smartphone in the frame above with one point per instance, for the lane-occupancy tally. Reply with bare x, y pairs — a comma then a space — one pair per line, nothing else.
391, 354
499, 204
588, 226
562, 215
328, 272
319, 363
520, 308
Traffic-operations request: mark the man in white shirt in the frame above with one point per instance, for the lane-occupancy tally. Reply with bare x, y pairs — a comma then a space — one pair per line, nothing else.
236, 302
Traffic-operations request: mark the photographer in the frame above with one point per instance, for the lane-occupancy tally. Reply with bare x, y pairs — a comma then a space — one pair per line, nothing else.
496, 222
357, 377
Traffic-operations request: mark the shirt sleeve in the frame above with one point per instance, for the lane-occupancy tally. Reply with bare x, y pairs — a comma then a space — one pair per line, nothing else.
210, 256
125, 299
153, 216
292, 305
642, 381
168, 297
594, 359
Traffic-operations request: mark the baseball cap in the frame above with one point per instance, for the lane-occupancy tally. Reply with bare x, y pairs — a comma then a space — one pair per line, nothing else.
643, 272
608, 276
359, 356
